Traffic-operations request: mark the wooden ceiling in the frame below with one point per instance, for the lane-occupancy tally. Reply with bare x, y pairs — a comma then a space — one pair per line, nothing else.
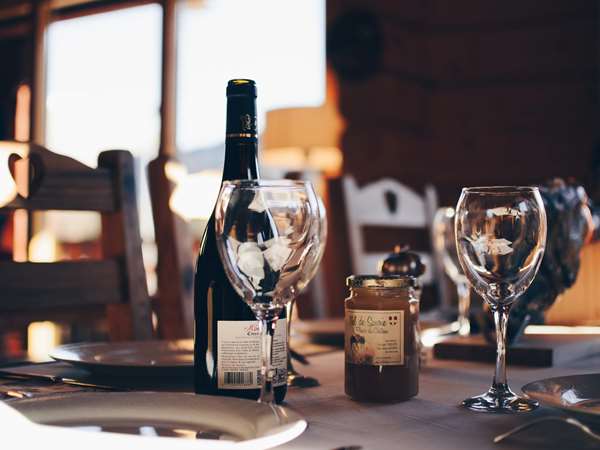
17, 9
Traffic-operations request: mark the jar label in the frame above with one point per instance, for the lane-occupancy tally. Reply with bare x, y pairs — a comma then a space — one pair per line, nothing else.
375, 338
239, 349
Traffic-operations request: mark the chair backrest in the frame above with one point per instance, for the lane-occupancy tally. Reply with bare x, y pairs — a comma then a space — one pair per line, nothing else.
175, 270
383, 205
115, 284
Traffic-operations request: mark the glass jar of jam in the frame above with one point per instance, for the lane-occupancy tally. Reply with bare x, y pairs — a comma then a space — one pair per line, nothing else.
381, 338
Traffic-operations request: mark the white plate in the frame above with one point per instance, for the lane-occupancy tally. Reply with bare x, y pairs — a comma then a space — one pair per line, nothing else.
212, 420
140, 358
579, 394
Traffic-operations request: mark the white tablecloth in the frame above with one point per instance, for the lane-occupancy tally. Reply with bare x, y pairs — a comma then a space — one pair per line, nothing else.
433, 419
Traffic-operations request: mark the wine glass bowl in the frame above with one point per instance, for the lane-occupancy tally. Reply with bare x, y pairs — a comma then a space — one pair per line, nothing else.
267, 241
295, 378
269, 238
500, 240
445, 246
501, 235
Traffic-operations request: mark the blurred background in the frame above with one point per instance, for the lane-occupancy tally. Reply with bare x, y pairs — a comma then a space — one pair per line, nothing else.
430, 94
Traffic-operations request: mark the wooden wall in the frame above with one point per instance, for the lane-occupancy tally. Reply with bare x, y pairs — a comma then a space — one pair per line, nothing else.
474, 91
470, 92
13, 71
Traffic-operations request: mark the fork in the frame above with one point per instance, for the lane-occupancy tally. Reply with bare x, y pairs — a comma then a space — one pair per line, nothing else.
13, 393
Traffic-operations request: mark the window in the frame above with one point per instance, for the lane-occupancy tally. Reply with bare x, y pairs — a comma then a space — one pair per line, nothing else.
280, 44
104, 90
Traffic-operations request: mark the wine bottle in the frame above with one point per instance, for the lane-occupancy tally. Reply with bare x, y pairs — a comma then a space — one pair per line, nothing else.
227, 339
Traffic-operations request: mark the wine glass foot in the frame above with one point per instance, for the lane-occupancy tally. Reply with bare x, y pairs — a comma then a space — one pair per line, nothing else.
500, 401
295, 379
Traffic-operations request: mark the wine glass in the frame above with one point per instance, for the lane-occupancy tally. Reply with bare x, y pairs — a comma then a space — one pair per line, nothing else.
294, 378
267, 237
445, 245
500, 238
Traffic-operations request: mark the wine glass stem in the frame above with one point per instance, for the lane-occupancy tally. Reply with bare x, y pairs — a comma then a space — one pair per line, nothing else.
267, 330
500, 312
464, 304
289, 309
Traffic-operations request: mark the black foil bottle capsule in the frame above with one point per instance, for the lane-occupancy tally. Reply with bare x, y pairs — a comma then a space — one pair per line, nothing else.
224, 323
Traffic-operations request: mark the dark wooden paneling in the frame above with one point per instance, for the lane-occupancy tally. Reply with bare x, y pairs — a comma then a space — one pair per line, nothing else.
465, 13
405, 51
462, 14
14, 29
372, 152
14, 70
463, 159
561, 49
437, 58
517, 108
384, 99
474, 93
70, 283
410, 12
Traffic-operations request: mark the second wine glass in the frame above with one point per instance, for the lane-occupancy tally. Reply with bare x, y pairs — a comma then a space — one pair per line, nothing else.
445, 245
500, 238
268, 239
295, 378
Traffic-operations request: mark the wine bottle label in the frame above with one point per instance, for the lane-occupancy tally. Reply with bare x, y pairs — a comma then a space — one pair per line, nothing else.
239, 350
374, 338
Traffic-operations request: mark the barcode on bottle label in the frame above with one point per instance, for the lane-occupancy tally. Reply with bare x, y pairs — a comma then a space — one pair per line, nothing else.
239, 378
238, 354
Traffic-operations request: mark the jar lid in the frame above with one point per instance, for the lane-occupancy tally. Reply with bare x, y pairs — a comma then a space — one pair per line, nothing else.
380, 281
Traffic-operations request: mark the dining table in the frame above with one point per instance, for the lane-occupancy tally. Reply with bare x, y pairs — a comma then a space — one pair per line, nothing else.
433, 419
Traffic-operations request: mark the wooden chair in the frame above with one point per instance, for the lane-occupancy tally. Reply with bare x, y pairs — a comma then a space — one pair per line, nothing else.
384, 213
175, 269
115, 285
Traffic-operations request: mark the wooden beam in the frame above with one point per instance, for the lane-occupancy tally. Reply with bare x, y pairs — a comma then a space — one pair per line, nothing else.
40, 18
79, 8
175, 271
66, 9
169, 79
14, 11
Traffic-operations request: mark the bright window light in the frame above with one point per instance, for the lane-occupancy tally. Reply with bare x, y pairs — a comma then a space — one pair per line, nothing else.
104, 76
104, 83
278, 43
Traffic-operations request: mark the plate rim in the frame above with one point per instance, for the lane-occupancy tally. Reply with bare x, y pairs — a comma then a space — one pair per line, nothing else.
544, 400
56, 355
292, 426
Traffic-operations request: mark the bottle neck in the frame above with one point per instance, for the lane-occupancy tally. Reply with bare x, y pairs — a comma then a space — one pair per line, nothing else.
241, 139
241, 159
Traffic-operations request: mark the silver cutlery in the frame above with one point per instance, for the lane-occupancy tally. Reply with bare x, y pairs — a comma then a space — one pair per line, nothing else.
14, 393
